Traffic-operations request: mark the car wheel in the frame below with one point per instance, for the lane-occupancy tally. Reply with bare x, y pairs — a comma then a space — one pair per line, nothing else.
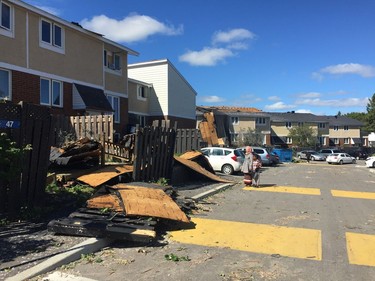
354, 161
373, 164
227, 169
299, 156
312, 158
341, 162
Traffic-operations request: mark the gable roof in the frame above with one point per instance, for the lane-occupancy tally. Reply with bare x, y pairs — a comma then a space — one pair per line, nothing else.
337, 120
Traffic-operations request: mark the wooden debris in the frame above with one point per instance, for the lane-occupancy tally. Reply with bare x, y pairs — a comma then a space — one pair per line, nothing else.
105, 174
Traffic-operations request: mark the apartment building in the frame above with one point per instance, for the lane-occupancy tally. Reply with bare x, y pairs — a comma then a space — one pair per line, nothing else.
232, 123
52, 62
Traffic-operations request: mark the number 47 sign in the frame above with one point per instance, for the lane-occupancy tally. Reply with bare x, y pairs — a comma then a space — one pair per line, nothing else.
13, 124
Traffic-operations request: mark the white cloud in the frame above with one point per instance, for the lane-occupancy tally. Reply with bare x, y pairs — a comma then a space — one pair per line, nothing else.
211, 99
303, 111
233, 35
206, 57
130, 29
349, 102
279, 106
346, 68
273, 98
310, 95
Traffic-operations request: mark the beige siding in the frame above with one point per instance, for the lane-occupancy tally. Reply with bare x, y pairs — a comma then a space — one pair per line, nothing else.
136, 105
13, 50
82, 59
341, 133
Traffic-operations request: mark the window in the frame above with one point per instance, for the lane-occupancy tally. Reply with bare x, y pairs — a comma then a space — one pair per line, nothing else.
235, 120
322, 140
115, 103
335, 128
300, 124
5, 16
4, 84
336, 141
260, 120
346, 128
289, 140
141, 92
288, 124
217, 151
322, 125
51, 92
51, 35
141, 120
112, 60
346, 141
234, 137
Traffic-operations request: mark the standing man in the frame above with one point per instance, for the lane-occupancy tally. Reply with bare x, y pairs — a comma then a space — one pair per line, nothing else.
247, 166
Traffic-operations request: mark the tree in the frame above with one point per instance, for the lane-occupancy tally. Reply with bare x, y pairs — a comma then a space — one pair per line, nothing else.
252, 137
371, 114
360, 116
303, 136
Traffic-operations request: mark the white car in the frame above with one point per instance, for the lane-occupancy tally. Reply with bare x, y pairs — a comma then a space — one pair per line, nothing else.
370, 162
225, 160
340, 158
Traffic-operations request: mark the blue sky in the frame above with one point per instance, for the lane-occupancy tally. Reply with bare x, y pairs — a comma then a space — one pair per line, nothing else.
314, 56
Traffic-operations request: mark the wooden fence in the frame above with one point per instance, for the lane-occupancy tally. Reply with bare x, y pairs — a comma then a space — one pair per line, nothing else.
77, 127
153, 153
26, 124
188, 139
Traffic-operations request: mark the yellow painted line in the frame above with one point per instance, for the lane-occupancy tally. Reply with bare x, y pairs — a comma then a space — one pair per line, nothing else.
287, 189
353, 194
258, 238
360, 248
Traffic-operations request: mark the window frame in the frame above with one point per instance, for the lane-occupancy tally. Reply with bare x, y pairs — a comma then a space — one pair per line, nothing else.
260, 121
289, 140
5, 30
346, 140
9, 86
234, 120
116, 113
346, 128
112, 61
322, 125
336, 141
288, 124
139, 92
53, 43
51, 92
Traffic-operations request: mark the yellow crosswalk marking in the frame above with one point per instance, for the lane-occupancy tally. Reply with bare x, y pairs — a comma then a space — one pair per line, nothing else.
353, 194
259, 238
287, 189
360, 248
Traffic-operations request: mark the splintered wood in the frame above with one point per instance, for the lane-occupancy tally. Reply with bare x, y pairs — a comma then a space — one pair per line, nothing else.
142, 201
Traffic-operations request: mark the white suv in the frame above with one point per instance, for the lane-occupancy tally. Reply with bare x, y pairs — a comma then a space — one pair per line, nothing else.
225, 160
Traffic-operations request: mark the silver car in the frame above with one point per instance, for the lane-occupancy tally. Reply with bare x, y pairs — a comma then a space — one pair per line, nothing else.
314, 156
340, 158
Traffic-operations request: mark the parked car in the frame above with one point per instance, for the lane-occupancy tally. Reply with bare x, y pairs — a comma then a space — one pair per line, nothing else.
328, 151
340, 158
275, 158
370, 162
264, 153
358, 154
225, 160
314, 156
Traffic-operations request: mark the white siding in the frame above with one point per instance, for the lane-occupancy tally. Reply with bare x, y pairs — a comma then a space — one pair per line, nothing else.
157, 75
181, 96
172, 94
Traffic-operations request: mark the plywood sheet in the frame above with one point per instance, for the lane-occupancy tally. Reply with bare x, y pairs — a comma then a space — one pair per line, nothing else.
143, 201
198, 168
105, 174
110, 201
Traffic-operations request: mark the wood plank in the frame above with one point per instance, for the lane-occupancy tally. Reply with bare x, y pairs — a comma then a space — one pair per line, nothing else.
143, 201
105, 174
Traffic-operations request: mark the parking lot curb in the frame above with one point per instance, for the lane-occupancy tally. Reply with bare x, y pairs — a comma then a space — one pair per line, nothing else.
211, 191
88, 246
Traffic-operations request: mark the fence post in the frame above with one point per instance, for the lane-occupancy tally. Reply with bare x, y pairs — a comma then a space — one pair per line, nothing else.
102, 154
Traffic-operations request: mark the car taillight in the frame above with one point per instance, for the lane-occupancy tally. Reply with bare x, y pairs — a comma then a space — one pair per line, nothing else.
234, 157
267, 156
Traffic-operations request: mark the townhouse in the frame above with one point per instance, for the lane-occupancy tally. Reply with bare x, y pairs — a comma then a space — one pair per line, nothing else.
168, 94
52, 62
232, 124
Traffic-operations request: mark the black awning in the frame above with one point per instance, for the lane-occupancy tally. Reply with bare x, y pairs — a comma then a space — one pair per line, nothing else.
357, 140
278, 140
94, 98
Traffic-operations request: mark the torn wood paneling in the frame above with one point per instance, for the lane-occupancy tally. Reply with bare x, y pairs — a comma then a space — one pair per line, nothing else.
105, 174
199, 169
101, 201
143, 201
